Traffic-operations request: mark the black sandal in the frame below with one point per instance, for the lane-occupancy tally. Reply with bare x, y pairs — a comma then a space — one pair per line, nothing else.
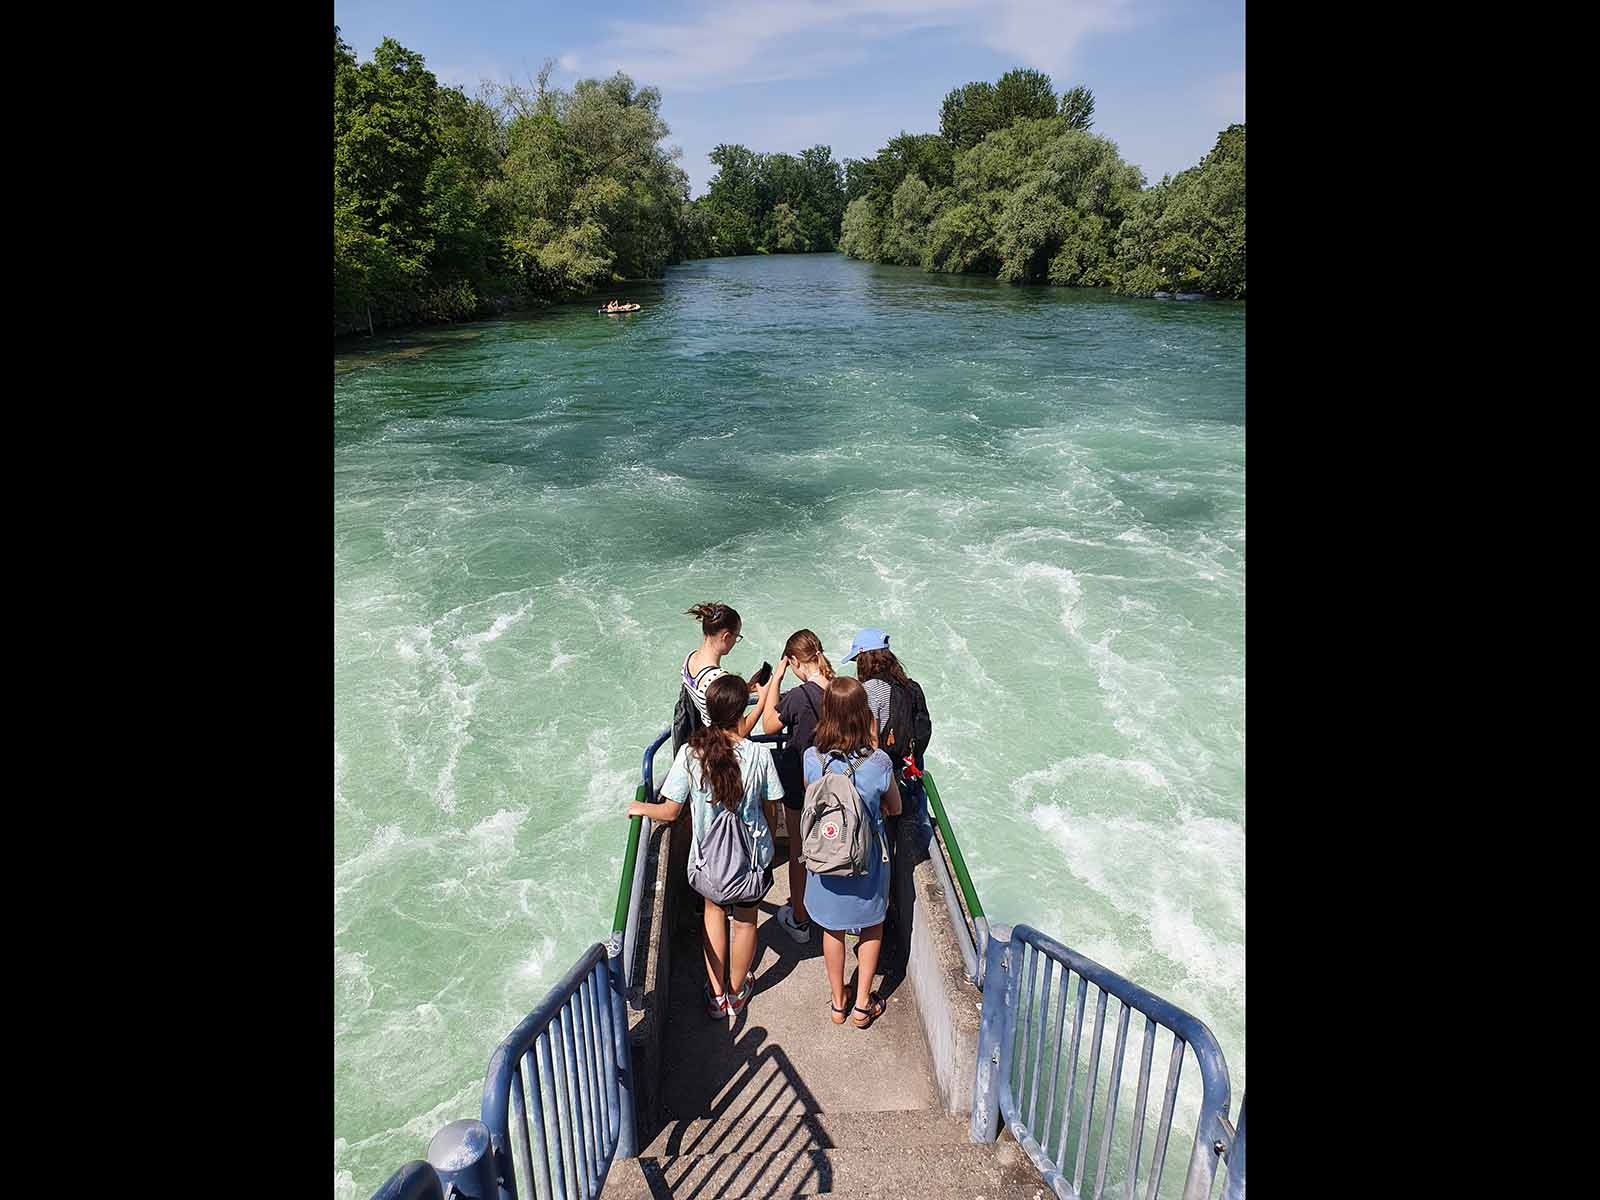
875, 1009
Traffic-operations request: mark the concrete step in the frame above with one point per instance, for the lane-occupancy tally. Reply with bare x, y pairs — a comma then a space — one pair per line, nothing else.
814, 1131
965, 1169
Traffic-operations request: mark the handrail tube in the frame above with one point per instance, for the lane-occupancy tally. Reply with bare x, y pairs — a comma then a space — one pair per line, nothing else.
625, 922
1233, 1185
637, 843
619, 919
627, 1130
992, 1028
414, 1181
649, 764
980, 922
960, 864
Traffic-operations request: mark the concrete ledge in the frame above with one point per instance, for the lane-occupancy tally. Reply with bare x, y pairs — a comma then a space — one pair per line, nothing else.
950, 1006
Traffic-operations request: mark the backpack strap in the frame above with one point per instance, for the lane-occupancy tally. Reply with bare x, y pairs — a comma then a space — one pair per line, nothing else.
849, 763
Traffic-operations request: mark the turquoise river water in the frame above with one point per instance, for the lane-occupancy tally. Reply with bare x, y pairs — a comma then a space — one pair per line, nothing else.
1039, 492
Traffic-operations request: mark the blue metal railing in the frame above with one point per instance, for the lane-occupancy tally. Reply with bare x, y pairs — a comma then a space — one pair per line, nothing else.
414, 1181
1016, 1013
1233, 1187
566, 1078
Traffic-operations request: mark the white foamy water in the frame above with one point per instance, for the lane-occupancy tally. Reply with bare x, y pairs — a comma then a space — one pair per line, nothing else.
1039, 492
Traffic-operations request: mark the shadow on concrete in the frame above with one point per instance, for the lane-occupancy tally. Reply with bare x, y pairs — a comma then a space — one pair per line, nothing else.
765, 1123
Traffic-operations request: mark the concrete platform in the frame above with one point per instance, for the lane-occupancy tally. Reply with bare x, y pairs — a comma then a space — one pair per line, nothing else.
781, 1102
783, 1055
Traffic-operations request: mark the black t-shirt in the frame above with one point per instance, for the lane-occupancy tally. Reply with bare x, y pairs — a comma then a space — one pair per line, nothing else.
798, 709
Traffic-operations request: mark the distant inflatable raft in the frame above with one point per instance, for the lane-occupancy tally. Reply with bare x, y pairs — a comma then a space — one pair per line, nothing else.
620, 308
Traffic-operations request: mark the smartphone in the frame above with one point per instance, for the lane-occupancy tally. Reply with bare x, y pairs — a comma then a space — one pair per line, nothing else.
760, 677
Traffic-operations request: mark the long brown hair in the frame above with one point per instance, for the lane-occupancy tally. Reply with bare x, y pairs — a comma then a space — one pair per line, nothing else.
804, 646
846, 722
715, 618
880, 664
719, 765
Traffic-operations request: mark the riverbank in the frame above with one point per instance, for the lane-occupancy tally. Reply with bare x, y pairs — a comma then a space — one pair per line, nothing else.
367, 322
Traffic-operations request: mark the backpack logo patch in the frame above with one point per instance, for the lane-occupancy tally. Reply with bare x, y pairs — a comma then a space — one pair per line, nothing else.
830, 831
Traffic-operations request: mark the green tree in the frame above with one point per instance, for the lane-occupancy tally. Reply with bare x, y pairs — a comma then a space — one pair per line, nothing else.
1077, 106
784, 233
973, 111
905, 237
961, 239
1188, 232
967, 114
1023, 94
749, 188
589, 195
861, 235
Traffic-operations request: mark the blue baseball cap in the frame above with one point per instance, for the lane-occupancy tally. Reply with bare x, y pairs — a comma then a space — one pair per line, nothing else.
868, 639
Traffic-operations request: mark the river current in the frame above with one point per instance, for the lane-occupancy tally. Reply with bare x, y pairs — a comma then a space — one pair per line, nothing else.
1039, 492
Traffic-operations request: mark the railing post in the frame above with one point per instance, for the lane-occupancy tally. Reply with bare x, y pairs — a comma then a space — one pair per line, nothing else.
993, 1029
414, 1181
1233, 1185
461, 1154
627, 1134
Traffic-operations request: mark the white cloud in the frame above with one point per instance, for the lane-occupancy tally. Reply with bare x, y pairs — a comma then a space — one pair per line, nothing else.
1044, 33
568, 61
760, 41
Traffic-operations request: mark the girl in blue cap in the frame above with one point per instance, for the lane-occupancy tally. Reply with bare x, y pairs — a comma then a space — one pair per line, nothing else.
898, 706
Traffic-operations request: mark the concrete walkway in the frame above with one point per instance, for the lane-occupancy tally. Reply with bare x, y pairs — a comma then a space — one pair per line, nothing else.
779, 1101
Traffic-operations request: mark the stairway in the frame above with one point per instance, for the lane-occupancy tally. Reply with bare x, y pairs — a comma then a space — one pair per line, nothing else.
873, 1154
780, 1102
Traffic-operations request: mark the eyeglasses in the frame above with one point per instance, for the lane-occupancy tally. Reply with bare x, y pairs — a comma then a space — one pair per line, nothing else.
737, 638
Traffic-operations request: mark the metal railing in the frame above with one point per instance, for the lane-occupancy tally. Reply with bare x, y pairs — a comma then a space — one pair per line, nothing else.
1016, 1014
414, 1181
972, 941
625, 922
570, 1056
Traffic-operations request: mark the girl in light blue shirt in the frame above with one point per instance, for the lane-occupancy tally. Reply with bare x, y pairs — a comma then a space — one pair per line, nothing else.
717, 766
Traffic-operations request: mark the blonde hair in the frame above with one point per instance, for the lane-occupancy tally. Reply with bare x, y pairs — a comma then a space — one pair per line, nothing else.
804, 646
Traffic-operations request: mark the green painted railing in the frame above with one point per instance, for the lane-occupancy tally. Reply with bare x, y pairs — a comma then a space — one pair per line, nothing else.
970, 893
619, 920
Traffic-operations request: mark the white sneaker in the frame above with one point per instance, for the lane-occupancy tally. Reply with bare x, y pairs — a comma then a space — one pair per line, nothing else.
785, 917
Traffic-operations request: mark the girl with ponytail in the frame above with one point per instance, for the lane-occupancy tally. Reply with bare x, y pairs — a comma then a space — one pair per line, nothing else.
720, 626
797, 712
719, 766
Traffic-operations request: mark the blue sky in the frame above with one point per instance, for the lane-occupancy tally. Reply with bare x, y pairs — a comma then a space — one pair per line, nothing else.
1167, 75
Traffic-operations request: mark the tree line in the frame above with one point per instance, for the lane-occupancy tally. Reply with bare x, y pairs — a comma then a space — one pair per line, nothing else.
447, 207
1016, 186
768, 204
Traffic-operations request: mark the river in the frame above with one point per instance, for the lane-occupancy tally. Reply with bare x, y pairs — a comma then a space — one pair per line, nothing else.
1039, 492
